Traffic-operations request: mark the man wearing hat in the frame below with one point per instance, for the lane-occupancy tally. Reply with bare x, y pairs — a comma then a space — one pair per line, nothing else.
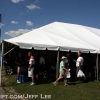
62, 71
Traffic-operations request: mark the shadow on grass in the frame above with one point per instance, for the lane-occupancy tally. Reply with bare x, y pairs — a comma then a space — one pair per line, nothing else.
75, 83
12, 81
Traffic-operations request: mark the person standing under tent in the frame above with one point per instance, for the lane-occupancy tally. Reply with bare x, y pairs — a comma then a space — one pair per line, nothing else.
20, 68
42, 66
79, 64
31, 67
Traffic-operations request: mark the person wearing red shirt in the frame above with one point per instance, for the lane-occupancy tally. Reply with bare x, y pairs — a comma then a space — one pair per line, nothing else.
31, 67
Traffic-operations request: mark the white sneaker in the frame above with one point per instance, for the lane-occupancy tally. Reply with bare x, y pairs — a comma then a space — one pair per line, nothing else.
32, 84
55, 83
66, 84
18, 81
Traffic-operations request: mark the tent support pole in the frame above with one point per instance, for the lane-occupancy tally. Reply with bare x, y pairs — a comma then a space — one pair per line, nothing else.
2, 61
9, 50
97, 66
57, 66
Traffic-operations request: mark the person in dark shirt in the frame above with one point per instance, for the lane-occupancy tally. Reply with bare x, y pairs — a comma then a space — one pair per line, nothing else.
20, 68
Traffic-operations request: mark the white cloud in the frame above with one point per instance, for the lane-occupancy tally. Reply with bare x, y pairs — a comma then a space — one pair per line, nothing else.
29, 23
14, 22
32, 7
13, 33
1, 24
16, 1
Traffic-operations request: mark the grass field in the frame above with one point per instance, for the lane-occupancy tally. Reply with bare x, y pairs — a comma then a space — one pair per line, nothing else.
74, 91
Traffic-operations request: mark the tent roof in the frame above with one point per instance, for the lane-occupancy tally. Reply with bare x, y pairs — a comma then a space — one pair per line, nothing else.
58, 35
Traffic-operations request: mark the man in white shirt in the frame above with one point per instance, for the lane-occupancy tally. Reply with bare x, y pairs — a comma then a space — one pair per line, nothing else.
79, 63
42, 60
31, 67
41, 67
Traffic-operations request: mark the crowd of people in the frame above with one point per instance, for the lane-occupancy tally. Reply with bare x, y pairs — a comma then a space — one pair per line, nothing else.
31, 66
64, 69
42, 64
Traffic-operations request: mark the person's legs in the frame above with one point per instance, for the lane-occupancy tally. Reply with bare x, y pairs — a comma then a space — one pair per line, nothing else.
66, 76
55, 83
18, 77
77, 69
32, 76
65, 82
60, 77
44, 72
40, 70
84, 77
79, 79
57, 80
37, 70
32, 79
18, 74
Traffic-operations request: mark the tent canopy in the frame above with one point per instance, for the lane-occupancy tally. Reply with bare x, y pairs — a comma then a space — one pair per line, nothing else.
62, 36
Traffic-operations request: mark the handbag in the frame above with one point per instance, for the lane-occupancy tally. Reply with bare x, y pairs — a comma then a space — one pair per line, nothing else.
68, 74
80, 73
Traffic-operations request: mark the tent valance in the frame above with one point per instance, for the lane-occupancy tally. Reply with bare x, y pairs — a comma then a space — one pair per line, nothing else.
58, 35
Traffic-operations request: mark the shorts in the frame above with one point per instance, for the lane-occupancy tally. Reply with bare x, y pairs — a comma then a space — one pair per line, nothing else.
31, 72
62, 75
20, 69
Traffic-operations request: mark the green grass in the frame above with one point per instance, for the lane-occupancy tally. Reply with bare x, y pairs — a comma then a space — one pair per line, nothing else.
83, 91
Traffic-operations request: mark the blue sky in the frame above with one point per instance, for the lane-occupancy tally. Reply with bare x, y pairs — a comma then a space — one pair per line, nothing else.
20, 16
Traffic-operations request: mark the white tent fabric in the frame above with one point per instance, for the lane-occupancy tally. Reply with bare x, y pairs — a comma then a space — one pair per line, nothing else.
63, 36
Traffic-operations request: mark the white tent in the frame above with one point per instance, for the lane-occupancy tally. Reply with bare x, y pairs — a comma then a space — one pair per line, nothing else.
60, 36
63, 36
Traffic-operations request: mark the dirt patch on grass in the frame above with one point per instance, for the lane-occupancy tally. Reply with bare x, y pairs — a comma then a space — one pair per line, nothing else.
8, 90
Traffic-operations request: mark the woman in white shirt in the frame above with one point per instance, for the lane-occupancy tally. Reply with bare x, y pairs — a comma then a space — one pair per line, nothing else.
79, 63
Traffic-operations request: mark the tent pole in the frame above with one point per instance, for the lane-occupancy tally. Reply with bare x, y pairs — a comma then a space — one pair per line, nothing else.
9, 50
97, 66
2, 55
1, 61
57, 66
